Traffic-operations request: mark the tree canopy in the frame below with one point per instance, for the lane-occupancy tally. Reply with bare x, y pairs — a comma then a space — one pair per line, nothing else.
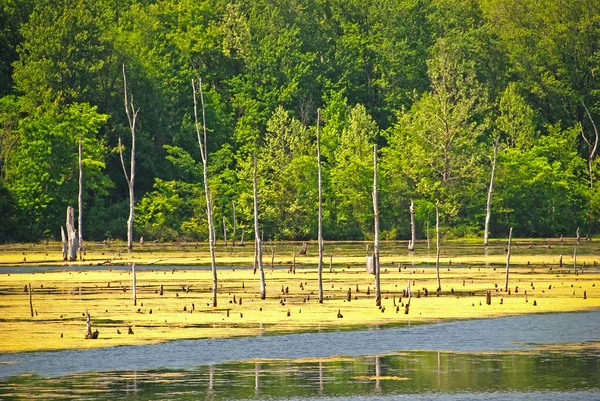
432, 83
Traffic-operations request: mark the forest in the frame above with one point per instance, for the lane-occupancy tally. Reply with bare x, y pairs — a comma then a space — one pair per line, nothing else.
453, 92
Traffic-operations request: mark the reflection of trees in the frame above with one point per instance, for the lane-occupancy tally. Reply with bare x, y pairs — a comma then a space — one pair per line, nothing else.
426, 372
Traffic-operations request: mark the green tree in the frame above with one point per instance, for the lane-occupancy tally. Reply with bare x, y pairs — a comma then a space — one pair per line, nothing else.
42, 169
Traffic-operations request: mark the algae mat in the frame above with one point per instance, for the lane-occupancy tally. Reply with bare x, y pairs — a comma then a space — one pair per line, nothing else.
184, 310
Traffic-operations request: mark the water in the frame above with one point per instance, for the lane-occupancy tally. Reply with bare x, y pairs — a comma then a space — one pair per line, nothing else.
494, 359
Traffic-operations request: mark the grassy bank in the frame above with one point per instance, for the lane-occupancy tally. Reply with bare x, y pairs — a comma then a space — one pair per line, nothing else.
60, 299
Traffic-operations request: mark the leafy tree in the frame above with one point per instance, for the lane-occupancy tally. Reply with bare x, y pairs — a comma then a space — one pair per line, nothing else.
41, 172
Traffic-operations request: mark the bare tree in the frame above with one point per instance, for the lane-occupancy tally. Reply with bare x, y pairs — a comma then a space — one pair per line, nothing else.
130, 178
71, 234
80, 197
258, 241
376, 224
508, 259
488, 208
411, 243
209, 208
591, 148
224, 231
437, 242
234, 224
320, 270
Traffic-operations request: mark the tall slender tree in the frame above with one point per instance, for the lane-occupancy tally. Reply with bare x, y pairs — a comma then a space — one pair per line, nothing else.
258, 240
376, 224
488, 208
80, 197
437, 242
209, 210
131, 117
320, 270
411, 243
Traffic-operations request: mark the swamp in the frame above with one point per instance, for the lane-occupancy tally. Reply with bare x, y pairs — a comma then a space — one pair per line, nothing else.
171, 342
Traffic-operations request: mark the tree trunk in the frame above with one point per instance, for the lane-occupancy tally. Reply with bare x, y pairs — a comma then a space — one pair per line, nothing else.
234, 224
71, 234
88, 324
488, 208
591, 148
80, 198
131, 117
263, 286
427, 229
508, 259
224, 232
376, 224
209, 208
411, 243
65, 245
320, 269
437, 243
134, 284
30, 300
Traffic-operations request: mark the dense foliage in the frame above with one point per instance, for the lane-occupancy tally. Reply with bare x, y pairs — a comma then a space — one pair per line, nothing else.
434, 83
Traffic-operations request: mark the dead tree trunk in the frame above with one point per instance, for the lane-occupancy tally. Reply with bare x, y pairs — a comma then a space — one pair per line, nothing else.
88, 324
376, 225
411, 243
30, 300
209, 209
427, 229
437, 243
71, 234
258, 241
508, 259
134, 284
130, 178
234, 224
320, 269
224, 231
65, 245
591, 148
80, 198
488, 208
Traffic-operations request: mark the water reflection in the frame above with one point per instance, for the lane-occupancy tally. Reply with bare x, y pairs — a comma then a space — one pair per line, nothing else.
416, 373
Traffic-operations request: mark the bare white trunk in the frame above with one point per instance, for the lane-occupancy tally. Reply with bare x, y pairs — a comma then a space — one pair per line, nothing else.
224, 231
71, 234
592, 148
209, 208
131, 117
437, 242
88, 323
320, 269
65, 244
80, 198
488, 208
376, 224
263, 286
234, 224
508, 259
411, 244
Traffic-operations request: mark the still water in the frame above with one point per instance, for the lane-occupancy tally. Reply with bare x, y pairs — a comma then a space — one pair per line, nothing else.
488, 359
